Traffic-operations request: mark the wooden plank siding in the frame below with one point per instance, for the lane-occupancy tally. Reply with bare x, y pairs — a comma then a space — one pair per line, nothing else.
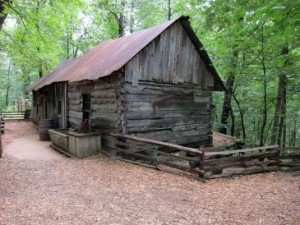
105, 103
180, 120
170, 58
166, 69
45, 104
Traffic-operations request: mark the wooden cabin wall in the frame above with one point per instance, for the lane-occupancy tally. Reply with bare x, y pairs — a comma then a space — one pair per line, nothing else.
170, 58
75, 91
169, 67
45, 102
44, 106
106, 107
177, 113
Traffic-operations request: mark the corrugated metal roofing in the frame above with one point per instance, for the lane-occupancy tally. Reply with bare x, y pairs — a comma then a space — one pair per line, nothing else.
110, 56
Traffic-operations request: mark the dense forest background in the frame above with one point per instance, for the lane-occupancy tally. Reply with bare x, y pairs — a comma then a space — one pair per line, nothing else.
254, 46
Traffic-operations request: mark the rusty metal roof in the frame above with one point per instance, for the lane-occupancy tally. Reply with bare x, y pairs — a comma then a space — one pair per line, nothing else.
110, 56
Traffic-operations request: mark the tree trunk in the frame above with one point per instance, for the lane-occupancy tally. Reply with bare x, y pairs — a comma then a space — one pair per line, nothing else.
121, 30
292, 141
40, 70
232, 129
242, 116
284, 135
265, 110
121, 21
7, 86
228, 94
38, 48
281, 133
227, 104
169, 10
277, 122
280, 105
131, 17
3, 14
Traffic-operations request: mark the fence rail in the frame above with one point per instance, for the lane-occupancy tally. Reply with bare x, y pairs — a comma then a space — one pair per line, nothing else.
207, 165
290, 158
15, 115
242, 161
153, 152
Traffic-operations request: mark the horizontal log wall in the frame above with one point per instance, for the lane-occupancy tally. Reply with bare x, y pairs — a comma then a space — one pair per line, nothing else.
105, 103
168, 91
167, 112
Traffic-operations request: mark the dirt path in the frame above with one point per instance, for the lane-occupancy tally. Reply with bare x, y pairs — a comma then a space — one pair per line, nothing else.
99, 190
31, 148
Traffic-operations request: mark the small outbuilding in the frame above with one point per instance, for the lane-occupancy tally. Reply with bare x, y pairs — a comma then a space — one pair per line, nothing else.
155, 83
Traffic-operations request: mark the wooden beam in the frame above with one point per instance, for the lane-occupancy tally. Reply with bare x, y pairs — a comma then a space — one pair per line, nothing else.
169, 155
241, 158
245, 172
244, 164
240, 150
160, 143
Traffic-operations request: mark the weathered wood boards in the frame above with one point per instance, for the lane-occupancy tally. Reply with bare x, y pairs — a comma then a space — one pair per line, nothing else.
290, 158
241, 161
12, 115
152, 151
167, 112
170, 58
105, 113
155, 142
51, 102
254, 160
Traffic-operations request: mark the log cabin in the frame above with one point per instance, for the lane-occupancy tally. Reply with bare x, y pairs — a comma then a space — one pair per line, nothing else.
155, 83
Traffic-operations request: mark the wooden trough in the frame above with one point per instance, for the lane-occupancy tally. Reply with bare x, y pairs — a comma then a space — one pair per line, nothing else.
75, 144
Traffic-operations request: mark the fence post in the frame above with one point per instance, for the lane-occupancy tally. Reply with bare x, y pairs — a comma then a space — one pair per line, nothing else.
201, 166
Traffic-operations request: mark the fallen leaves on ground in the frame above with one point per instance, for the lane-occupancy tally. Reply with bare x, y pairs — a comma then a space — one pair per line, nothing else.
101, 190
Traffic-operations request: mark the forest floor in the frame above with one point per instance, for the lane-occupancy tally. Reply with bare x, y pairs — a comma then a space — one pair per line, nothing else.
101, 190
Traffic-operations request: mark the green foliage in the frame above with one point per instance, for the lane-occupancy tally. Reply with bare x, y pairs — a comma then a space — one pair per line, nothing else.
244, 38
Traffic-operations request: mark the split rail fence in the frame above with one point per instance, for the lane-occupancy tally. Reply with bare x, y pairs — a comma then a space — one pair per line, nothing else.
18, 115
206, 163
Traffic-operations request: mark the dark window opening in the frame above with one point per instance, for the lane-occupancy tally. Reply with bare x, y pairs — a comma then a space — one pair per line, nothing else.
86, 106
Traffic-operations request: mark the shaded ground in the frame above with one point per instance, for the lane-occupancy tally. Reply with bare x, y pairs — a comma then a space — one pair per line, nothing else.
99, 190
31, 148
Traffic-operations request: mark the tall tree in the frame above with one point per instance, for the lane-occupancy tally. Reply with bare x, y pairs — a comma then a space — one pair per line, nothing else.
3, 12
39, 23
